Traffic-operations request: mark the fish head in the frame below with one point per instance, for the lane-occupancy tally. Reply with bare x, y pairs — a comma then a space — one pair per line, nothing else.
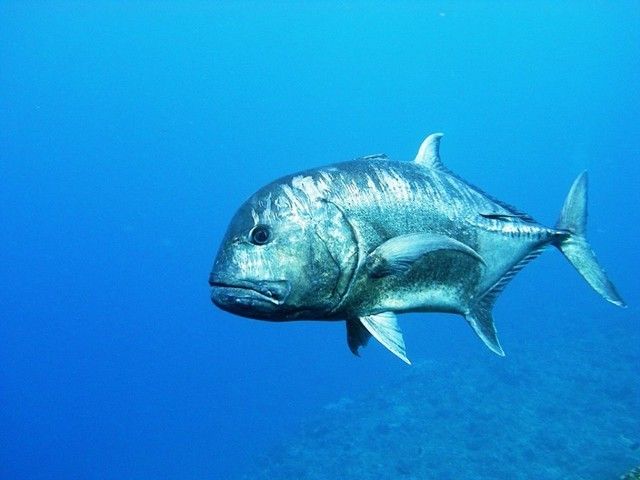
288, 253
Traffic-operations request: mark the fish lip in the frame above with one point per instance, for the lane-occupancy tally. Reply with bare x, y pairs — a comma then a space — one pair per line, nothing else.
271, 291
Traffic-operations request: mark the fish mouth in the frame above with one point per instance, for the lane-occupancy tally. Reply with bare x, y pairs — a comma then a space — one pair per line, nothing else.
261, 295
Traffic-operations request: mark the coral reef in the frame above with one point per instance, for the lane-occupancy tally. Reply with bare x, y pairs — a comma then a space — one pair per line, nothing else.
632, 475
558, 408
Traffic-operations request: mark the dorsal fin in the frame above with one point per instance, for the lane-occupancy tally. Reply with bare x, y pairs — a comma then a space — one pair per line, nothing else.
429, 156
375, 156
429, 152
507, 217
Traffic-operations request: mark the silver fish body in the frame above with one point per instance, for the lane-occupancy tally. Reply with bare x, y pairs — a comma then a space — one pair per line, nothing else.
363, 240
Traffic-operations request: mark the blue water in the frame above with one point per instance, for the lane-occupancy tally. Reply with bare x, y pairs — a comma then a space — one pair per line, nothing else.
130, 132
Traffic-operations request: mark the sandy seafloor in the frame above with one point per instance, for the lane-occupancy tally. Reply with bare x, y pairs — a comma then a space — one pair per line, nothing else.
565, 406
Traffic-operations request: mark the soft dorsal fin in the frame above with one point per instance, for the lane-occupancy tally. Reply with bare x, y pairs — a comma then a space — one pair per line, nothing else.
429, 156
506, 217
429, 152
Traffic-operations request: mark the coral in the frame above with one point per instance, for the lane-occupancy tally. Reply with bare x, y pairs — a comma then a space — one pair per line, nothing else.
564, 407
633, 474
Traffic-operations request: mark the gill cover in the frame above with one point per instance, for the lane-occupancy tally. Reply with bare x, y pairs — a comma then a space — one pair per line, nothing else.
334, 234
307, 245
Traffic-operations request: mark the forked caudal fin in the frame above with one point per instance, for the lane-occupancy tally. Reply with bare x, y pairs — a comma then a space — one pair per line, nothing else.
571, 241
573, 244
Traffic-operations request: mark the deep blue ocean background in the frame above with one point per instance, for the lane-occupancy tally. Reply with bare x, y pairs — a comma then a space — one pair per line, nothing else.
131, 131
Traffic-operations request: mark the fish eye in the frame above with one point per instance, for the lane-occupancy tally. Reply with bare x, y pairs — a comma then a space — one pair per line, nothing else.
260, 234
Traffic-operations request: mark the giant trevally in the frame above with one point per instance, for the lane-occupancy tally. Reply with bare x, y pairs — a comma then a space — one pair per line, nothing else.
366, 239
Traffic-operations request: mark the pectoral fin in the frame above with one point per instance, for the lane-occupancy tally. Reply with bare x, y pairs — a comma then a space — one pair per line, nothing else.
383, 326
398, 254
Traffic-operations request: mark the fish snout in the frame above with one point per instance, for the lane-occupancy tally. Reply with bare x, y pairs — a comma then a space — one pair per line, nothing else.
248, 297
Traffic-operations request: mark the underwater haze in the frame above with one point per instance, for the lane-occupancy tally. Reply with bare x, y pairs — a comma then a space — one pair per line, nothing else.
130, 132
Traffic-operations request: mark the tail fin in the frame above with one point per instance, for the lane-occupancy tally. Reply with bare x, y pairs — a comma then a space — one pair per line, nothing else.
572, 242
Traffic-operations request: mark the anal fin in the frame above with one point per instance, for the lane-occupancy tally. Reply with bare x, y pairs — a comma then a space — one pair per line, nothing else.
480, 315
384, 327
481, 320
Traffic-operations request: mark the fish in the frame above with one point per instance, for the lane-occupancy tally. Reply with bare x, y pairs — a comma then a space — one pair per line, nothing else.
364, 240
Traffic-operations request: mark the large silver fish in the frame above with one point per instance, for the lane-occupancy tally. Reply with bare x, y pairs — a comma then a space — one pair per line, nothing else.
363, 240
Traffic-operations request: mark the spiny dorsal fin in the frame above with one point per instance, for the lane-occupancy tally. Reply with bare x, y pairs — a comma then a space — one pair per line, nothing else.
375, 156
429, 152
384, 327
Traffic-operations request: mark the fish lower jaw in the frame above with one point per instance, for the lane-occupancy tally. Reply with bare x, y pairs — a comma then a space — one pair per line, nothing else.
228, 294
